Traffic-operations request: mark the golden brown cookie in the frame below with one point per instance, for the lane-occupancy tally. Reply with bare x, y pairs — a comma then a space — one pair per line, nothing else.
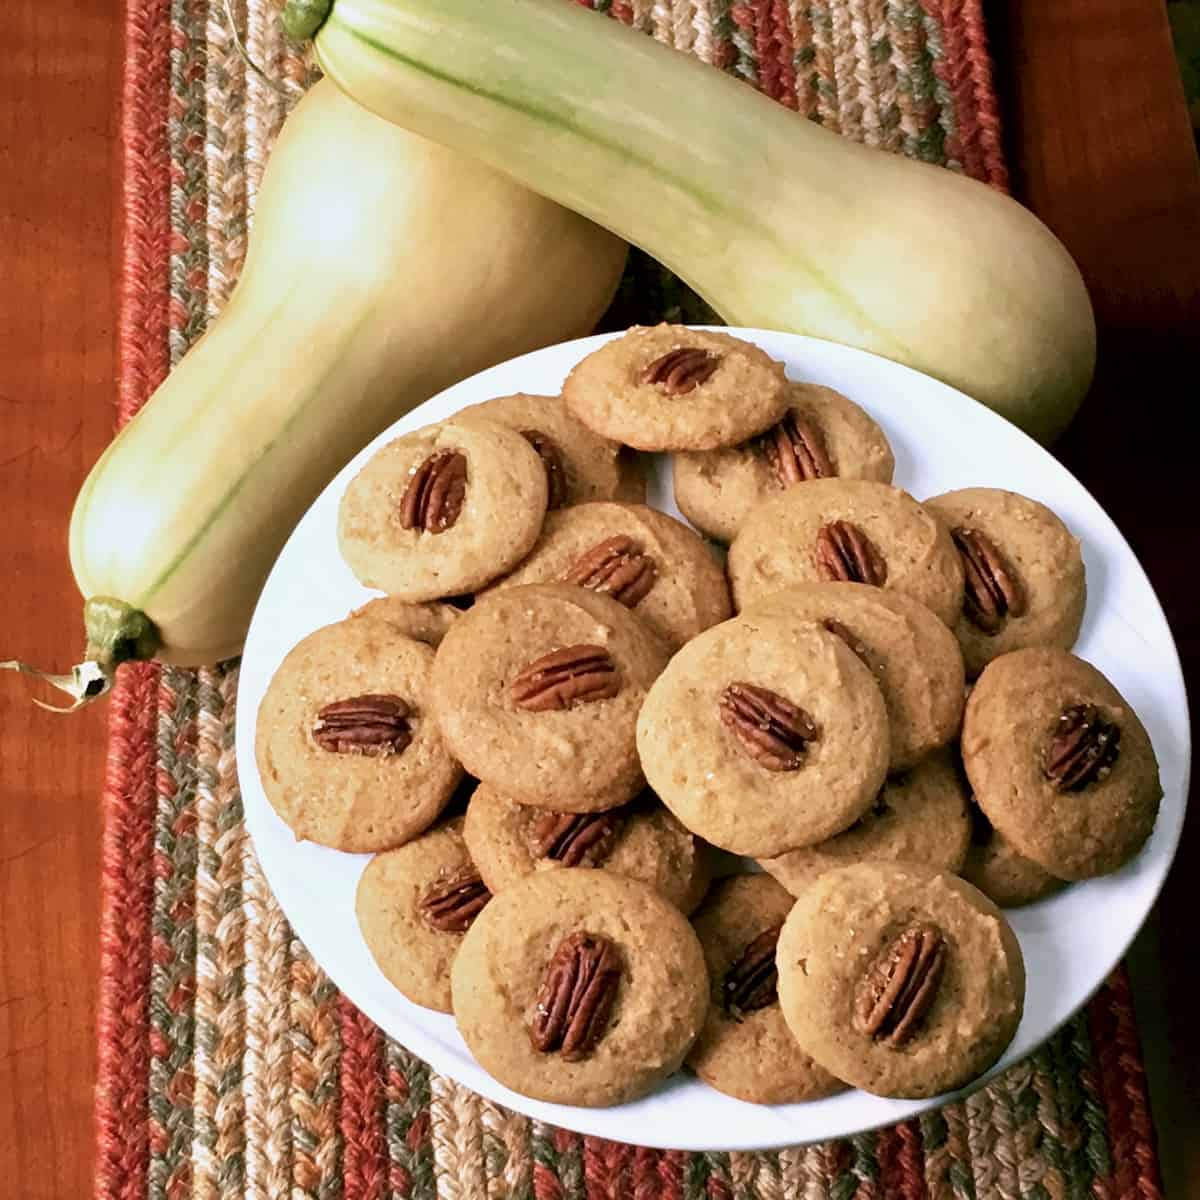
444, 510
413, 906
847, 530
580, 465
537, 690
1023, 571
640, 840
422, 622
918, 817
914, 657
347, 748
656, 566
579, 987
901, 980
668, 387
745, 1048
1060, 763
999, 872
764, 734
823, 435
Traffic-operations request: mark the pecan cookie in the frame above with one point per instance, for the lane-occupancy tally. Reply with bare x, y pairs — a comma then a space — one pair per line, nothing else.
765, 734
1060, 763
1023, 572
414, 904
654, 565
668, 387
913, 656
745, 1048
822, 435
580, 465
640, 840
444, 510
919, 817
847, 530
901, 980
999, 872
579, 987
537, 690
347, 749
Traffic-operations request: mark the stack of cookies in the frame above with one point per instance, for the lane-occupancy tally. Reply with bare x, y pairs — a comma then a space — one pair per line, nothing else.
569, 712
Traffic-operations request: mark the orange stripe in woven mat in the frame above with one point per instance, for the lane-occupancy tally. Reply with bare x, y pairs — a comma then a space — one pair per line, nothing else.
127, 899
606, 1168
1115, 1045
365, 1165
901, 1167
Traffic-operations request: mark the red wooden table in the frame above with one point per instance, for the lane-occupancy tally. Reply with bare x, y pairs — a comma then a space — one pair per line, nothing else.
1100, 147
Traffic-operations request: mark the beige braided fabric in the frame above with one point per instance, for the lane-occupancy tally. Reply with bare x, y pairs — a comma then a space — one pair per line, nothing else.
230, 1067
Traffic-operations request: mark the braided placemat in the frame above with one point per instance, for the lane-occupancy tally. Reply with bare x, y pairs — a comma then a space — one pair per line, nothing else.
229, 1065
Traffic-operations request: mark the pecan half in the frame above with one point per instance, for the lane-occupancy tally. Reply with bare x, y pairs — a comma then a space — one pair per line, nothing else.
434, 496
1083, 748
374, 725
678, 371
992, 591
572, 675
845, 554
451, 902
900, 985
772, 731
617, 567
753, 981
797, 451
576, 996
575, 839
552, 460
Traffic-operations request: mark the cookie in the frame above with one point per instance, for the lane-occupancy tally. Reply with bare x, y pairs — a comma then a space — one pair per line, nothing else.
640, 840
920, 817
654, 565
537, 691
414, 904
580, 465
523, 1014
914, 657
422, 622
1023, 571
764, 734
901, 980
999, 872
444, 510
823, 435
348, 752
745, 1048
668, 387
1060, 763
847, 530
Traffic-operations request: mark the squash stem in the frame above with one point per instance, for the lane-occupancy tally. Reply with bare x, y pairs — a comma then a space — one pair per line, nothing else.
302, 19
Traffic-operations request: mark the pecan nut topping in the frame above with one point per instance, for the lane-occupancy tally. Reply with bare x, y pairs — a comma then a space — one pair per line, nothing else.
845, 554
753, 981
797, 451
451, 902
678, 371
618, 567
992, 591
575, 839
576, 996
562, 678
1082, 750
898, 988
373, 725
772, 731
434, 497
552, 460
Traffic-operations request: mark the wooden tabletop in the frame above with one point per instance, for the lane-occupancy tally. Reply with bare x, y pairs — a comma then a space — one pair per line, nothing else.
1100, 148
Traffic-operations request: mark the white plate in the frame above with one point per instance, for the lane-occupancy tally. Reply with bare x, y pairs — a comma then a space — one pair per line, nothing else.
942, 440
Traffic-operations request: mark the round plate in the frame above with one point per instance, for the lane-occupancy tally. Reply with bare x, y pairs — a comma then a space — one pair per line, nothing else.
942, 440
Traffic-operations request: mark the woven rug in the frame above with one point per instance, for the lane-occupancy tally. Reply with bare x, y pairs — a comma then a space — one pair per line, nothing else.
229, 1065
